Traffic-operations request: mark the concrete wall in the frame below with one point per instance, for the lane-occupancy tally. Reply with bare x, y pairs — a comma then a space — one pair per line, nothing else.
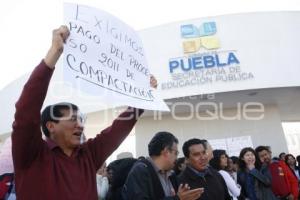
3, 137
98, 121
267, 131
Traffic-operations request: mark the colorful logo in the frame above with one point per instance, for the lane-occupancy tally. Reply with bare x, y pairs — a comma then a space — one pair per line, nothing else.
199, 37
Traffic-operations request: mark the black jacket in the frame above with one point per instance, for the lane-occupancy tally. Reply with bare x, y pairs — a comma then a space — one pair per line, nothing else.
213, 183
143, 183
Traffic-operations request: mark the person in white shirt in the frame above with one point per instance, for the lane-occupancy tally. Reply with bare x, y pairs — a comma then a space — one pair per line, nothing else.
219, 162
102, 182
232, 167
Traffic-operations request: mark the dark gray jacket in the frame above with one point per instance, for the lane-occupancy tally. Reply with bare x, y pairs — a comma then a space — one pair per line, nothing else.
262, 183
143, 183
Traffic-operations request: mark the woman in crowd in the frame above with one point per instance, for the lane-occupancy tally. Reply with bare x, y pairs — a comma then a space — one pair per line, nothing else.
233, 167
220, 162
179, 165
290, 160
102, 182
253, 178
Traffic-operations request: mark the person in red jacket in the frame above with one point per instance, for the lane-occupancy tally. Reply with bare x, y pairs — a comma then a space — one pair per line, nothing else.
60, 167
6, 184
284, 183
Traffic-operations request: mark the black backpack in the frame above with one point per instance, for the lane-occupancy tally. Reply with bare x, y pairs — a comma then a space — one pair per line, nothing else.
120, 169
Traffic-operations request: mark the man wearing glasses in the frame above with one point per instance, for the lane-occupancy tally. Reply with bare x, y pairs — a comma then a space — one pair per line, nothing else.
152, 178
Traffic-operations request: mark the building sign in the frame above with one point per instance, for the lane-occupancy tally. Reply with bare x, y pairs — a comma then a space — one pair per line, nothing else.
203, 62
224, 53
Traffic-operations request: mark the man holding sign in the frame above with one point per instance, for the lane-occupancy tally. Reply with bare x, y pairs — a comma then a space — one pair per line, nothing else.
60, 167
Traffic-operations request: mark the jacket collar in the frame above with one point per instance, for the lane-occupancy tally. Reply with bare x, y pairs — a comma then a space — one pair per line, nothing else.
195, 174
52, 145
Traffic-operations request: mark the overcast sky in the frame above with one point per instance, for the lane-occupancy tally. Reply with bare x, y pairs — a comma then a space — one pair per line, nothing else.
26, 25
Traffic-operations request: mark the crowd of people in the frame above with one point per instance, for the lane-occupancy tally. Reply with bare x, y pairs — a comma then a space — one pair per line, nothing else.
62, 167
203, 173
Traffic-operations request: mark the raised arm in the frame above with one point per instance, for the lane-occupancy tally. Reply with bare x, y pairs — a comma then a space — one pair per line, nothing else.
59, 37
26, 136
108, 141
260, 177
110, 138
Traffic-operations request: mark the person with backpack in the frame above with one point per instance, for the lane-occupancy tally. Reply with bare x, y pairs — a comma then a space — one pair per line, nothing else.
119, 170
152, 178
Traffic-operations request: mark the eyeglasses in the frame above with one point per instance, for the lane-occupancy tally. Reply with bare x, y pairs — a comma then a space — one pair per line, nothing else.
81, 118
175, 150
78, 118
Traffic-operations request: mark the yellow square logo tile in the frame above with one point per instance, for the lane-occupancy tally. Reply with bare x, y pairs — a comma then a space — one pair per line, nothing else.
210, 42
191, 46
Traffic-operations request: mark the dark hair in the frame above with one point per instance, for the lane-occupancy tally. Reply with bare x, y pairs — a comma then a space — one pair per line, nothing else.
262, 148
282, 153
141, 158
178, 164
160, 141
191, 142
120, 170
215, 162
235, 159
298, 159
286, 158
53, 112
242, 163
275, 158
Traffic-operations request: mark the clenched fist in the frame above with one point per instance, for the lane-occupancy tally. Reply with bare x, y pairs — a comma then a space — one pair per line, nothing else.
59, 37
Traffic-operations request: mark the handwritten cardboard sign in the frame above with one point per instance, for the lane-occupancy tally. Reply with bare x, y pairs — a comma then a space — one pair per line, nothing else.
104, 57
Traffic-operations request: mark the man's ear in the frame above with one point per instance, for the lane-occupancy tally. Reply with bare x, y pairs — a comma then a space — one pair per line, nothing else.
165, 151
50, 127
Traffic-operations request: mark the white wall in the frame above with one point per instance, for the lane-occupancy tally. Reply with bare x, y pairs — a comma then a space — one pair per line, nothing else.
3, 138
98, 121
267, 131
292, 135
265, 43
